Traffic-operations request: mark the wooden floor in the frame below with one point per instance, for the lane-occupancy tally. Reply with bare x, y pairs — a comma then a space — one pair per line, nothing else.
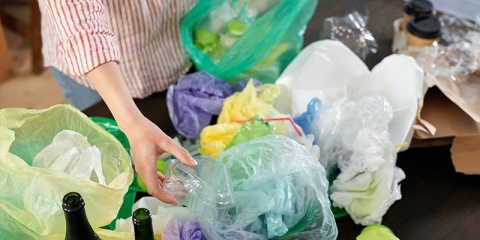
23, 89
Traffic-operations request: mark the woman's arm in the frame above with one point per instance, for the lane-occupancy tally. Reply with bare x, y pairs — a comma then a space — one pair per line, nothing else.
147, 141
89, 47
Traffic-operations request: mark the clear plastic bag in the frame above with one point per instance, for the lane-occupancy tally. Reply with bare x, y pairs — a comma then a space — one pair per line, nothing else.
280, 191
352, 31
456, 61
454, 29
354, 137
30, 206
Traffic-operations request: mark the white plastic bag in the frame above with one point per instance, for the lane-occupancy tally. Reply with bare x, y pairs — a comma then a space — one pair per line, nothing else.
71, 153
329, 70
354, 137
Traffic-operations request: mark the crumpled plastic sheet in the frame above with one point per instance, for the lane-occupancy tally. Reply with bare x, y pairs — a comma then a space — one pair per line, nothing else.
354, 137
455, 61
70, 152
352, 31
280, 191
196, 98
191, 230
454, 29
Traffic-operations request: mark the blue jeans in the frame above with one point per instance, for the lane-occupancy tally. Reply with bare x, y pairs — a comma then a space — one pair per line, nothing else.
77, 95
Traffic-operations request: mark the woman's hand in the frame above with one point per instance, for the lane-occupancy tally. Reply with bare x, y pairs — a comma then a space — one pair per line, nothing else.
148, 142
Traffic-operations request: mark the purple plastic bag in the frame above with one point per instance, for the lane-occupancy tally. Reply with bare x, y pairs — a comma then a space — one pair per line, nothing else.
195, 99
173, 230
192, 231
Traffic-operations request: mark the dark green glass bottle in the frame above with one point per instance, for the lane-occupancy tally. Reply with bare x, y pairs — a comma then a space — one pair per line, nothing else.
142, 224
78, 227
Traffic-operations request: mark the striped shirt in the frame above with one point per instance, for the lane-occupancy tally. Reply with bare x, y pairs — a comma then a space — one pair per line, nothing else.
144, 35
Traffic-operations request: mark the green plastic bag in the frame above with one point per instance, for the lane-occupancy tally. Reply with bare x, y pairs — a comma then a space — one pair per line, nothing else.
253, 38
31, 197
252, 129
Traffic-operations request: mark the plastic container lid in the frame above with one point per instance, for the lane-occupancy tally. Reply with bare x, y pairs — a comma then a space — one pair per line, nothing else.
206, 188
425, 26
414, 7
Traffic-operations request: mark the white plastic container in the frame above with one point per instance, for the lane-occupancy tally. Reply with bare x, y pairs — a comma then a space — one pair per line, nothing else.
329, 70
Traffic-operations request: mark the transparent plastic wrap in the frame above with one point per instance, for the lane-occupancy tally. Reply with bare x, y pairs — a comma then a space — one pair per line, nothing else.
454, 69
280, 191
206, 188
454, 29
354, 137
352, 31
454, 65
455, 61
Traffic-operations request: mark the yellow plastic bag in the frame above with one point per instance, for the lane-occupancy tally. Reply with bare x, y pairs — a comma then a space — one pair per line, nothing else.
250, 102
214, 139
31, 197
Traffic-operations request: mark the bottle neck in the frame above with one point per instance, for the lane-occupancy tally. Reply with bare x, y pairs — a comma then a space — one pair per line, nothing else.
78, 227
144, 231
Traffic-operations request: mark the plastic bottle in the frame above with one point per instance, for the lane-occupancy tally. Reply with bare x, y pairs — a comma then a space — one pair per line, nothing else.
78, 227
142, 224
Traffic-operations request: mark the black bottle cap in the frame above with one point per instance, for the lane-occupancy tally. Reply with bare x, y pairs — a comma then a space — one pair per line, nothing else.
414, 7
425, 26
141, 216
72, 202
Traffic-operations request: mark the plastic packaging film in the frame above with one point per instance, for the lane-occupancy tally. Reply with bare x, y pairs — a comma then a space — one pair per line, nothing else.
280, 191
354, 137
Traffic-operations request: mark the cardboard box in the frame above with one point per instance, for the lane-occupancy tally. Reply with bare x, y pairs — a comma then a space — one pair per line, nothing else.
442, 122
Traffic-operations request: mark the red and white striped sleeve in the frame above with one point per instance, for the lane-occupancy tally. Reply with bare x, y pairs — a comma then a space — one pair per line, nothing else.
86, 40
